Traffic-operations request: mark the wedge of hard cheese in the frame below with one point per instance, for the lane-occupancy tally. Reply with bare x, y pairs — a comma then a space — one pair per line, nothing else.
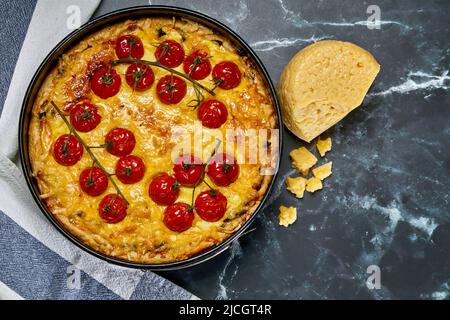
322, 84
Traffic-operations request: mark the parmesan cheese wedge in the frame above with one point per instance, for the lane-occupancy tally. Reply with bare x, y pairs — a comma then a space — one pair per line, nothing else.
322, 171
322, 83
287, 216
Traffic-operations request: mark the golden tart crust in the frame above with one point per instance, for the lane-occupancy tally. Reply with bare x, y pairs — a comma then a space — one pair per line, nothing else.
141, 236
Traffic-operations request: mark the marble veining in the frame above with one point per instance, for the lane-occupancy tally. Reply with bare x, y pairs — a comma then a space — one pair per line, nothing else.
418, 80
267, 45
387, 202
297, 20
235, 253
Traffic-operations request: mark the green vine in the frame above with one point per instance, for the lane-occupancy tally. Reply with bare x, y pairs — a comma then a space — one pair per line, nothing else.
202, 176
88, 149
199, 97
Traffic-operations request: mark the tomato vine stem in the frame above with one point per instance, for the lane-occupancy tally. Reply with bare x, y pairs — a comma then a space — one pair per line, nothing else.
159, 65
204, 165
88, 150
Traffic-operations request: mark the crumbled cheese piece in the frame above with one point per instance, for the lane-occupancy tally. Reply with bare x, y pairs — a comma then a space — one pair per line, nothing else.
322, 171
302, 160
313, 184
323, 146
287, 215
296, 186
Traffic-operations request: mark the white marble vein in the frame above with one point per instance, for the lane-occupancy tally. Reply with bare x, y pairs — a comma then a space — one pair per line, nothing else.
440, 295
364, 23
291, 16
297, 20
236, 16
267, 45
395, 213
443, 293
418, 80
235, 251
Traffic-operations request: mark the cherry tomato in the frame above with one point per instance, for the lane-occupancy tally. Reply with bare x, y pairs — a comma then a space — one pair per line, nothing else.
67, 150
112, 208
178, 217
105, 82
130, 169
212, 113
93, 181
211, 205
197, 65
120, 142
84, 117
171, 89
139, 76
188, 170
223, 170
164, 189
170, 54
227, 74
129, 46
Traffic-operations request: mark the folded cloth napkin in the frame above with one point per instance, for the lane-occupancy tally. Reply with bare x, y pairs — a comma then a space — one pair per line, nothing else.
36, 261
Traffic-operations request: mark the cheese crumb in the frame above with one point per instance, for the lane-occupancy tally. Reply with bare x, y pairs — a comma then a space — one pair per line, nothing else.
302, 160
323, 146
313, 184
287, 215
296, 186
322, 171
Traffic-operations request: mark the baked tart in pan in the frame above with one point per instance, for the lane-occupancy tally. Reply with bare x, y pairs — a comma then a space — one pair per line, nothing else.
106, 131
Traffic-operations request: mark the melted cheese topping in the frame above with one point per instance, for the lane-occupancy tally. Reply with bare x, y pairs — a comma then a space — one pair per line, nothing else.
142, 236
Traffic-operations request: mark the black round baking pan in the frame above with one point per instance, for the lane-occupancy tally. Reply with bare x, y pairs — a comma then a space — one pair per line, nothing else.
50, 62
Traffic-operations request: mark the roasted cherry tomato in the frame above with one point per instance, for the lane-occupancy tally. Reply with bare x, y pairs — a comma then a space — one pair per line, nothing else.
164, 189
178, 217
139, 76
129, 46
227, 75
171, 89
112, 208
105, 82
67, 150
223, 170
130, 169
93, 181
120, 142
197, 65
188, 170
170, 54
212, 113
211, 205
84, 117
